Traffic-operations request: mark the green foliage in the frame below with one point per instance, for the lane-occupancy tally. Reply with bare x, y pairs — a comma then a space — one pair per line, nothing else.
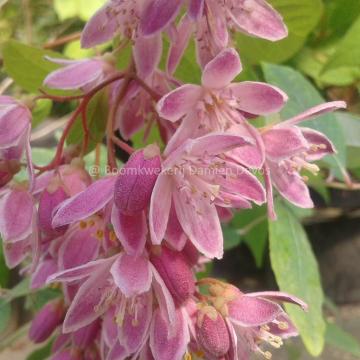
83, 9
42, 353
301, 17
5, 315
4, 271
96, 116
41, 111
341, 339
27, 65
303, 95
296, 272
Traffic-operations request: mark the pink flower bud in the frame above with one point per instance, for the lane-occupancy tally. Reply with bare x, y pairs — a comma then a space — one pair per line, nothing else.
176, 273
212, 332
51, 197
135, 183
46, 321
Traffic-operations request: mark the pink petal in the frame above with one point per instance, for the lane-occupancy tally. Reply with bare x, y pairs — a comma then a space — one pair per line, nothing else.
75, 76
110, 327
167, 343
291, 186
217, 24
158, 14
163, 297
281, 297
135, 327
269, 193
284, 142
196, 8
43, 271
132, 275
160, 208
85, 307
82, 271
259, 19
258, 98
325, 146
201, 224
100, 28
14, 121
15, 253
117, 352
287, 333
315, 111
249, 311
86, 203
175, 235
179, 45
178, 102
16, 215
130, 230
84, 337
220, 71
147, 54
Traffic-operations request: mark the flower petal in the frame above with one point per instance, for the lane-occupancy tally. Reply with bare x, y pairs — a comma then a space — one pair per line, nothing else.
15, 253
147, 54
175, 235
117, 352
86, 203
251, 311
160, 208
158, 14
132, 275
201, 224
167, 343
131, 230
258, 98
323, 144
46, 268
196, 8
220, 71
178, 102
258, 18
284, 142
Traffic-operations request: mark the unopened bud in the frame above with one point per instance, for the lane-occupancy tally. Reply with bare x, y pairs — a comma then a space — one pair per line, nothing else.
136, 181
176, 273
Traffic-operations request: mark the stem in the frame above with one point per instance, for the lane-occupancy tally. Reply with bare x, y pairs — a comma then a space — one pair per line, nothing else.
122, 145
62, 40
156, 97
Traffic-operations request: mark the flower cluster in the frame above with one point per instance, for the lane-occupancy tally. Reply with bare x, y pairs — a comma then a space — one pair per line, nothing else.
126, 248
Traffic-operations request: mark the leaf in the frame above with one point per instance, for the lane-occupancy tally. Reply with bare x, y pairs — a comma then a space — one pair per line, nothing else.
5, 314
41, 110
42, 353
96, 116
303, 95
296, 271
252, 228
26, 64
346, 59
301, 17
38, 299
4, 271
232, 238
350, 124
339, 338
84, 9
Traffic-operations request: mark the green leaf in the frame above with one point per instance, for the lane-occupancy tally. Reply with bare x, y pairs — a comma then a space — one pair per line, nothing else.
303, 95
296, 272
339, 338
84, 9
346, 59
26, 64
350, 124
41, 110
96, 116
5, 314
4, 271
42, 353
301, 17
232, 238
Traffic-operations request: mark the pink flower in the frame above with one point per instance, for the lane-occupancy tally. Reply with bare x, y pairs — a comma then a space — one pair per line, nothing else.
196, 178
289, 149
218, 104
119, 16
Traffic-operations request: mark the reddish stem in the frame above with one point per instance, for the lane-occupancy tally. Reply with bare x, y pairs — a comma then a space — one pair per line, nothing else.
122, 145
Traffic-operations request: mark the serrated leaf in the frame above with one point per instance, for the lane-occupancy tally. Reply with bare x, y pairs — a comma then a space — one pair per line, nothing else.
26, 64
296, 271
96, 116
301, 17
341, 339
303, 95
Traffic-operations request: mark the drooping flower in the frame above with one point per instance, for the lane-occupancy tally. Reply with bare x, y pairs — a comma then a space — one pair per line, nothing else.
195, 178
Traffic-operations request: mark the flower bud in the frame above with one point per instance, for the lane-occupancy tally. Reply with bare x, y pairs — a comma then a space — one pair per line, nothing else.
46, 321
50, 198
176, 273
135, 183
212, 332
